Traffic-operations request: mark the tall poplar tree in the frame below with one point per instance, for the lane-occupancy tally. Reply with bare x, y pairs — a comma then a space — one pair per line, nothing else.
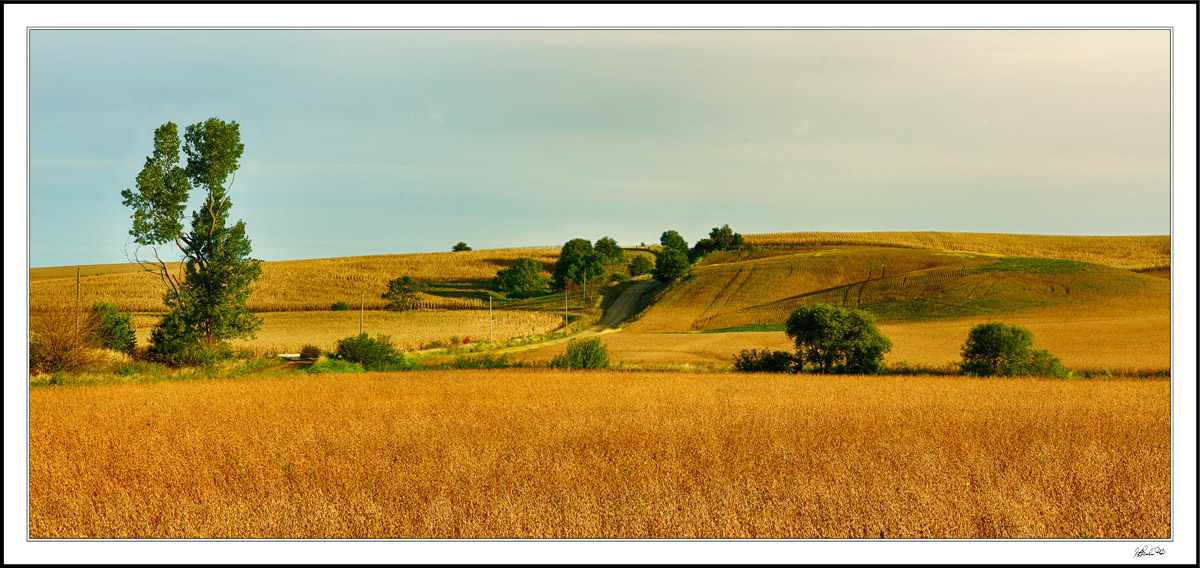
207, 293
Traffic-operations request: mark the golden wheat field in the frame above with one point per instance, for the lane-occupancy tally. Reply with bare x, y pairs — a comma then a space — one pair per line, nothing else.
547, 454
1132, 252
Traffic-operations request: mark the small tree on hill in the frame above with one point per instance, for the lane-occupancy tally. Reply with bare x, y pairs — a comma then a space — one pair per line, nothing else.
671, 240
460, 247
641, 264
1006, 350
578, 263
608, 248
401, 293
671, 264
721, 238
836, 340
523, 280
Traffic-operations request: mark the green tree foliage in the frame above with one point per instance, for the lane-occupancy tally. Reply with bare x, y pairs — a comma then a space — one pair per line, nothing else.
608, 248
671, 240
582, 354
114, 330
401, 293
340, 306
836, 340
523, 279
1006, 350
460, 247
671, 264
208, 302
377, 354
765, 361
720, 238
640, 264
578, 263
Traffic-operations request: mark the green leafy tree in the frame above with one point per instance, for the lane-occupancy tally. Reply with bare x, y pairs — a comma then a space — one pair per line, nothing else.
836, 340
578, 263
640, 264
765, 361
114, 330
671, 240
460, 247
610, 250
671, 264
1006, 350
401, 293
523, 279
720, 238
208, 299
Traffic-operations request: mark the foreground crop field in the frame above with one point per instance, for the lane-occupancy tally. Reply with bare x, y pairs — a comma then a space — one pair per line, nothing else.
518, 453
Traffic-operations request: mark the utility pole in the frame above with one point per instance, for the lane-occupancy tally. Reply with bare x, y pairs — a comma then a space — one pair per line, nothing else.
76, 299
361, 302
489, 318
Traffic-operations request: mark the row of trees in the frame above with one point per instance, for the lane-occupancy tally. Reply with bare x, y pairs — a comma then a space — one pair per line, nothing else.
833, 339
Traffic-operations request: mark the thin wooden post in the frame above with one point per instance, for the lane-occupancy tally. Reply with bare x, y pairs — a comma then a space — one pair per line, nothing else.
361, 303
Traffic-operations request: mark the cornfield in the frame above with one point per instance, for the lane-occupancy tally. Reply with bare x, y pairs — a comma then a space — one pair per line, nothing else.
547, 454
298, 285
1131, 253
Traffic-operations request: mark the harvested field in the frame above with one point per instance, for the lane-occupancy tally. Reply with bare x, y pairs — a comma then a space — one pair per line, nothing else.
1132, 253
542, 454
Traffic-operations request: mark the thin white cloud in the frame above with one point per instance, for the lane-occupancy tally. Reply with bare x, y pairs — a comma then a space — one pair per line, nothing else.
436, 116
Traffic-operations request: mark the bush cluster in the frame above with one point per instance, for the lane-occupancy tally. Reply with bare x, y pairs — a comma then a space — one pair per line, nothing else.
998, 349
340, 306
378, 354
764, 361
583, 354
310, 351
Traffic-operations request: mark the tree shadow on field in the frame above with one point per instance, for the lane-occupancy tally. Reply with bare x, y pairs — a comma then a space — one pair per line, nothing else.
464, 289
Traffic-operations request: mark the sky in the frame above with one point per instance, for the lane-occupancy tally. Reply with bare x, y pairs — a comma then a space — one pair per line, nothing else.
411, 140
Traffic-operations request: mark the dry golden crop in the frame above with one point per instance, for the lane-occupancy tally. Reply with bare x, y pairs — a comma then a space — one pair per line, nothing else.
1132, 252
287, 332
544, 454
295, 285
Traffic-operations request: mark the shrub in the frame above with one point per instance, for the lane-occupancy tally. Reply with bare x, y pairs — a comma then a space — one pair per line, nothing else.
402, 293
582, 354
310, 351
178, 343
377, 354
334, 366
610, 250
340, 306
998, 349
765, 361
114, 330
460, 247
641, 264
671, 264
836, 340
60, 340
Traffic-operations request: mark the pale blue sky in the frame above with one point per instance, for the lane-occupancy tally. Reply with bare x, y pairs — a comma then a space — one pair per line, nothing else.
396, 141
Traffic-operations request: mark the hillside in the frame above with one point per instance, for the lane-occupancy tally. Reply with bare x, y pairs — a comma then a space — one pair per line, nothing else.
1140, 253
729, 290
